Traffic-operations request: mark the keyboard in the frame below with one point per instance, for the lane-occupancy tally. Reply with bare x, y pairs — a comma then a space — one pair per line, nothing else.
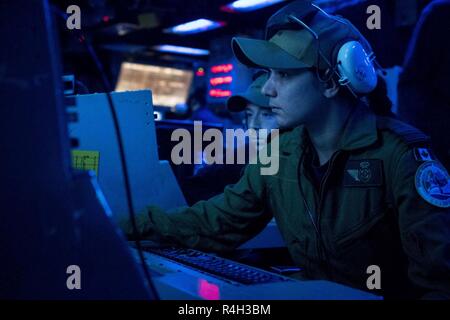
185, 274
217, 266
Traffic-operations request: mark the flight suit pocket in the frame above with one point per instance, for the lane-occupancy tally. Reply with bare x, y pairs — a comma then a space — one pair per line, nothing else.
357, 235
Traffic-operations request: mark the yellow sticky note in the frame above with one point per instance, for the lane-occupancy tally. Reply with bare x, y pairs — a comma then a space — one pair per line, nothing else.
85, 160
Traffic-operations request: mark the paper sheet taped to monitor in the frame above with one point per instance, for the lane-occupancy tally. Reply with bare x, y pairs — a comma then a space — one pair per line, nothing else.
152, 181
85, 160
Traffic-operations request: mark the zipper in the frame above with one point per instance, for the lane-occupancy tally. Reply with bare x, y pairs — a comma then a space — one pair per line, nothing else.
323, 183
307, 207
323, 255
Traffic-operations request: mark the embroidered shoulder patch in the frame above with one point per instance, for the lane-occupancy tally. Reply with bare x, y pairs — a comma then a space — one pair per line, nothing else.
433, 183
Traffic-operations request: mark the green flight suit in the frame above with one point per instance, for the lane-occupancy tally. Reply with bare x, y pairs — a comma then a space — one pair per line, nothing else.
366, 212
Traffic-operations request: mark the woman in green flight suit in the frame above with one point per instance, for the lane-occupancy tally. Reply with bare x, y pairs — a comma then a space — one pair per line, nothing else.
354, 188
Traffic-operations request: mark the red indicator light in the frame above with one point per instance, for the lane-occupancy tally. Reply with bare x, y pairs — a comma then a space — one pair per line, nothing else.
220, 80
222, 68
219, 93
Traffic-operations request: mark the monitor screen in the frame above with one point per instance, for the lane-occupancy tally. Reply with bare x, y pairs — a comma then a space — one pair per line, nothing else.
169, 86
151, 181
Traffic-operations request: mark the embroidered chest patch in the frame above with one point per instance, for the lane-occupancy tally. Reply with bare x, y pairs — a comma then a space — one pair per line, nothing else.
363, 173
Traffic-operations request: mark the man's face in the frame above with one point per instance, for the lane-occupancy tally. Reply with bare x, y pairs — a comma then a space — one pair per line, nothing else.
260, 118
295, 97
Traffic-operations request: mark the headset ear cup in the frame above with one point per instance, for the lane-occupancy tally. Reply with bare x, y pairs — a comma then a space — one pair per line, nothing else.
334, 60
337, 47
355, 67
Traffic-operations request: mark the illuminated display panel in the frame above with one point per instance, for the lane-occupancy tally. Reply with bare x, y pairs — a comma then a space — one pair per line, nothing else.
169, 86
220, 82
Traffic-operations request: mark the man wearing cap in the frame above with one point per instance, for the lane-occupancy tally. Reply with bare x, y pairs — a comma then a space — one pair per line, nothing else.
258, 113
355, 191
212, 179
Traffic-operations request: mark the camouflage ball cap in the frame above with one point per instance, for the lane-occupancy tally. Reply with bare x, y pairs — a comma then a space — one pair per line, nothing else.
292, 46
252, 95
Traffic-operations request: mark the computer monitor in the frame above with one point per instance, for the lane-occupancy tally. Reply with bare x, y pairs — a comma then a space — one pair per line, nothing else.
170, 86
152, 181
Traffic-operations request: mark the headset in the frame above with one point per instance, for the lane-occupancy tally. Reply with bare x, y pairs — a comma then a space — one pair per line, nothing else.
352, 62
